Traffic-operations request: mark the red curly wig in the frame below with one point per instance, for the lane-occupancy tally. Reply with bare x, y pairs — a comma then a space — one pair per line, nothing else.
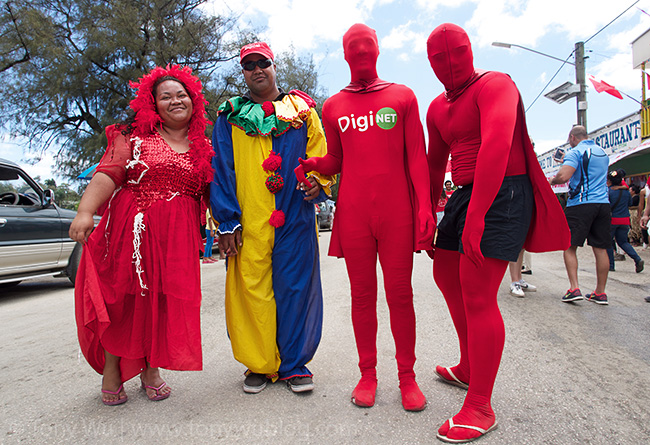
147, 118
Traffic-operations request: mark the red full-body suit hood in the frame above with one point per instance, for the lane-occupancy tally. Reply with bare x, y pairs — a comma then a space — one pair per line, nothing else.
450, 55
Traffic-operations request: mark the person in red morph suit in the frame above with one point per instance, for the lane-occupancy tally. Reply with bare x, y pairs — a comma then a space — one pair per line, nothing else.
375, 139
503, 203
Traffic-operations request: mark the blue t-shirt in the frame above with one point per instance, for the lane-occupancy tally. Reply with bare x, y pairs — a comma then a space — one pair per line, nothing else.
588, 186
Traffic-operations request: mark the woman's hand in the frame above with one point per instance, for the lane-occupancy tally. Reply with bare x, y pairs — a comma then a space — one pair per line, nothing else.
81, 227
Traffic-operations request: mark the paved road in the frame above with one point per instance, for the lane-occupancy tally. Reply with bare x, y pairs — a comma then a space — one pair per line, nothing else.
571, 373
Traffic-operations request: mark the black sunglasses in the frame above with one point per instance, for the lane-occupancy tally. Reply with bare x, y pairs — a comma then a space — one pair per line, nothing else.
262, 63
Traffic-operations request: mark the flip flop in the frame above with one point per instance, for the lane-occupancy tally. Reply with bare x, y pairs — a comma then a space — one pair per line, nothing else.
158, 396
455, 381
115, 393
469, 427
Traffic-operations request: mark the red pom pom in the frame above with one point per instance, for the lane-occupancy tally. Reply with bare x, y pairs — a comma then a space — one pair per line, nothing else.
272, 163
274, 183
268, 108
277, 218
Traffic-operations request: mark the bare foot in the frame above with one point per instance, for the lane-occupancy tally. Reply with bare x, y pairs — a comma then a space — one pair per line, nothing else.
112, 382
151, 377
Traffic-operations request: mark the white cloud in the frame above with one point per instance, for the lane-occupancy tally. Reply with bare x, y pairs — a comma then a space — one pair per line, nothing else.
403, 36
527, 22
305, 24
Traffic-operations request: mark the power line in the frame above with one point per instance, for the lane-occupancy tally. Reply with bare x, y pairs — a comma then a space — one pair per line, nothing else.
551, 80
617, 17
567, 59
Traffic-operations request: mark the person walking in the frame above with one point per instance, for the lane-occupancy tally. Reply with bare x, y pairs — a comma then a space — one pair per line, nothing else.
587, 211
620, 201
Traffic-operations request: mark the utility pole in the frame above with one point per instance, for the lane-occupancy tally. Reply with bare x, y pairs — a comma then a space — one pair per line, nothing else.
580, 80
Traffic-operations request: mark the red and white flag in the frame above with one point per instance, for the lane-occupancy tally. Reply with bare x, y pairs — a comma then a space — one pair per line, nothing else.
601, 85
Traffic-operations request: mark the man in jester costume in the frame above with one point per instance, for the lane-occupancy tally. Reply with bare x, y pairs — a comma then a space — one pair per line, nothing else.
503, 203
375, 139
267, 225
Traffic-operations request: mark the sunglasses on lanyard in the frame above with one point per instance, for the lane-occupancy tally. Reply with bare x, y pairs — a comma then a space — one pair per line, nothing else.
262, 63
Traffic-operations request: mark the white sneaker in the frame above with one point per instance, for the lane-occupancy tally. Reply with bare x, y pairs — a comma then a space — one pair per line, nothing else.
515, 289
527, 287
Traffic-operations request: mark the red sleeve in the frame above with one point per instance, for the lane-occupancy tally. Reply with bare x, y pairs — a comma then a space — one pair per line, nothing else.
497, 103
438, 153
416, 154
330, 164
118, 153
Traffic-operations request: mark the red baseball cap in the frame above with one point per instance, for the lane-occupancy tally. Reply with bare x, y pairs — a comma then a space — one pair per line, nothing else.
256, 48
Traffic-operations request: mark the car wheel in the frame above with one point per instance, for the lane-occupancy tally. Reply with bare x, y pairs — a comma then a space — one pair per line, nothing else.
73, 263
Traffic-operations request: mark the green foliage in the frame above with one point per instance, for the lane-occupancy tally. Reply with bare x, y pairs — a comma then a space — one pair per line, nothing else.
66, 66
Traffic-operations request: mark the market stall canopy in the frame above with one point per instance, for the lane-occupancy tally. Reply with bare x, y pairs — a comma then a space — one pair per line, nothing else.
635, 161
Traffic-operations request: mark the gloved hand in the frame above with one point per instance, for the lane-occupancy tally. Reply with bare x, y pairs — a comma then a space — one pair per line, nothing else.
427, 226
472, 234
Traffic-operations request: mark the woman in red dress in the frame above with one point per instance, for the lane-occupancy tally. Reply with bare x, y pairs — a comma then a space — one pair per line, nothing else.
138, 290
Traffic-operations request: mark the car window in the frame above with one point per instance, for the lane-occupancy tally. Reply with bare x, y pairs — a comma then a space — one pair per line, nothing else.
14, 190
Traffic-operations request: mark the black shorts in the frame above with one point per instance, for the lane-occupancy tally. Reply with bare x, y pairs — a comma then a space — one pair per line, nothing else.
591, 222
506, 222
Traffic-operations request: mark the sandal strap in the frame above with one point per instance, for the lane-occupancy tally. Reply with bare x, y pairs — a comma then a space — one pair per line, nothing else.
453, 376
469, 427
156, 389
115, 393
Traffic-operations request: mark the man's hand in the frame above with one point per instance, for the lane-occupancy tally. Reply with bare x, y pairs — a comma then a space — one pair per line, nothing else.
311, 192
230, 242
472, 234
309, 165
427, 226
644, 221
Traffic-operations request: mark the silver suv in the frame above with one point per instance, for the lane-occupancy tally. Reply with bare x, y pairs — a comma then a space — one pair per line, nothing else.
34, 238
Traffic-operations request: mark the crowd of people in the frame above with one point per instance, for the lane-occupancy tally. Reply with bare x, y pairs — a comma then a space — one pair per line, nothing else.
270, 160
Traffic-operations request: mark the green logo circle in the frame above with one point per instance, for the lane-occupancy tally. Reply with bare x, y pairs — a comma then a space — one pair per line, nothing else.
386, 118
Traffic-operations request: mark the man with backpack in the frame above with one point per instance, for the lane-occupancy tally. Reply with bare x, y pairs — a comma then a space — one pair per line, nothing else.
587, 211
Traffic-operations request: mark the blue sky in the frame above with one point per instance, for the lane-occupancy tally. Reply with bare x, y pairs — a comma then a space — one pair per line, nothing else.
548, 26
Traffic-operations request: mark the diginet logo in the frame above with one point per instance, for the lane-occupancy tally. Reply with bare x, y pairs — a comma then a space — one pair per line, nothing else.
386, 118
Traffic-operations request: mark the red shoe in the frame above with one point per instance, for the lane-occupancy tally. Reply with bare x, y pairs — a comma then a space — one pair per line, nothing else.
364, 394
412, 397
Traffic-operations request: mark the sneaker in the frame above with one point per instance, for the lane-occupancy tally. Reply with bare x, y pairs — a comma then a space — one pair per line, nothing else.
515, 289
639, 266
572, 295
619, 256
527, 287
612, 269
647, 299
255, 383
526, 271
598, 299
300, 384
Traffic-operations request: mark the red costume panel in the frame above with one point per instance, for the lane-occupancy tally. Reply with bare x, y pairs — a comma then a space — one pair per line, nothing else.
479, 120
375, 140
